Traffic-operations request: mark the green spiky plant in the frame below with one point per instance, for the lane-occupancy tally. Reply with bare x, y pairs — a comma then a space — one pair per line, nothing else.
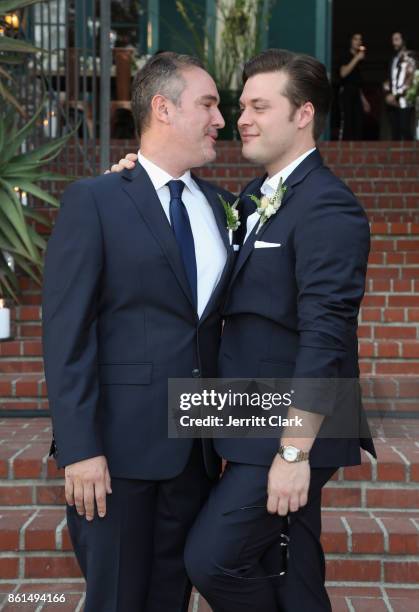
22, 172
12, 51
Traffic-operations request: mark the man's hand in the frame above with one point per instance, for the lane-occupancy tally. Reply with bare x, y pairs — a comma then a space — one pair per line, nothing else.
361, 54
288, 485
85, 482
391, 100
127, 162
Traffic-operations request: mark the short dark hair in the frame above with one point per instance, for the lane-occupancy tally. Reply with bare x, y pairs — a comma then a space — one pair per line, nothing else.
400, 34
308, 81
162, 74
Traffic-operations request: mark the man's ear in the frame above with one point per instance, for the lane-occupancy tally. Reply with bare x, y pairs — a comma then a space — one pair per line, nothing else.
305, 115
160, 108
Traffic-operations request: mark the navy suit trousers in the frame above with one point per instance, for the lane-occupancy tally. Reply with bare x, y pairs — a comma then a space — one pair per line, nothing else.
234, 555
138, 546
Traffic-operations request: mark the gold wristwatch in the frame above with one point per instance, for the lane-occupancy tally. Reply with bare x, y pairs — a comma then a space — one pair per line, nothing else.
291, 454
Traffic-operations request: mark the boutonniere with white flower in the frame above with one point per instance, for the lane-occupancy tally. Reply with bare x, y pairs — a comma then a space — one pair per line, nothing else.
267, 207
232, 216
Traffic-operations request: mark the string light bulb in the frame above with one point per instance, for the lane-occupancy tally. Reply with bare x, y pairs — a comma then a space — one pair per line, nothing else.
12, 20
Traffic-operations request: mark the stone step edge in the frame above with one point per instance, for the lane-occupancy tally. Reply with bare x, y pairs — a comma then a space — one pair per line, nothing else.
364, 571
360, 533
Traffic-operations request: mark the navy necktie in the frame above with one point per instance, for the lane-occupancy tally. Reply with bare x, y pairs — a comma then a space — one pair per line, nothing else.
181, 226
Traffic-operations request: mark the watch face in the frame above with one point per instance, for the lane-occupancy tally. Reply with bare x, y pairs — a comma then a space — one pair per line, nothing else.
290, 453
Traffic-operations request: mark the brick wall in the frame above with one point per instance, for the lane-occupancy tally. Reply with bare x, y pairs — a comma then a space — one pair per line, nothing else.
370, 512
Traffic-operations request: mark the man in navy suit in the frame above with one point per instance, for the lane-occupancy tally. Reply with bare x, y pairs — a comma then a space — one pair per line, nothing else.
135, 271
291, 312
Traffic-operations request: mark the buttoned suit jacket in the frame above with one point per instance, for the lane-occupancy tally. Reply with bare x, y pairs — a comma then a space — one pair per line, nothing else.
119, 321
291, 311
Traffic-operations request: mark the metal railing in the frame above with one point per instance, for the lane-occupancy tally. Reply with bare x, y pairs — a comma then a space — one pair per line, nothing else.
71, 76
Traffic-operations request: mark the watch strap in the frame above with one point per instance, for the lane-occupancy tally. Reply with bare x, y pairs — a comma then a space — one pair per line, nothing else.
301, 455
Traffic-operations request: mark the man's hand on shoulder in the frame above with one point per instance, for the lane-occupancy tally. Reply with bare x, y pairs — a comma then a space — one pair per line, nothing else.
127, 162
85, 482
288, 485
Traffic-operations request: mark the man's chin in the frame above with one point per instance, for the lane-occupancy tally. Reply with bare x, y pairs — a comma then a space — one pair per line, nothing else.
249, 153
210, 154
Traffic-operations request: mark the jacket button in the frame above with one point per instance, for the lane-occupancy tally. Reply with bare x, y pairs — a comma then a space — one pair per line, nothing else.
196, 373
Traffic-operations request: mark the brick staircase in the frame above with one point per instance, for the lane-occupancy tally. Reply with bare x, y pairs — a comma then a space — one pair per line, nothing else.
371, 512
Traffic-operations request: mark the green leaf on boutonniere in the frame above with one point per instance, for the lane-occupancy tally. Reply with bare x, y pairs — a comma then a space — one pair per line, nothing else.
232, 214
267, 207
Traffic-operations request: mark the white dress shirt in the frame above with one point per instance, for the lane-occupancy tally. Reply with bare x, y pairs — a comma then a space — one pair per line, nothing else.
270, 186
403, 66
210, 251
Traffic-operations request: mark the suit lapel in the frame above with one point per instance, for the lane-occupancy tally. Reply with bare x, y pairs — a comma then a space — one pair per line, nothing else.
285, 200
218, 211
313, 161
138, 186
247, 246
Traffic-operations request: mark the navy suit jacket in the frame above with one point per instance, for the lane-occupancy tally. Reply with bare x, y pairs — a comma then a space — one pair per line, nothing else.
291, 311
118, 321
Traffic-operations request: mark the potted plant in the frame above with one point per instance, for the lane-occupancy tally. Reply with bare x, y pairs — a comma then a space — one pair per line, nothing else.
21, 173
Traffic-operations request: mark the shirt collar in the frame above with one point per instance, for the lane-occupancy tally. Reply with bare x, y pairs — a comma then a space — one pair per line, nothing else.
160, 177
271, 184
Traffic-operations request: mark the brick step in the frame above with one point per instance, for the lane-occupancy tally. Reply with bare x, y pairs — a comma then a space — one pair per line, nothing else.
372, 367
347, 598
385, 348
364, 532
32, 595
402, 267
392, 292
377, 543
22, 391
394, 331
394, 229
385, 265
17, 365
371, 312
24, 462
21, 348
383, 216
383, 186
366, 171
371, 200
370, 524
394, 202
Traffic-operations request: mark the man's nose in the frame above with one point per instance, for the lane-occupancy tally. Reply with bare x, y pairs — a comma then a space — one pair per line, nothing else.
218, 120
244, 118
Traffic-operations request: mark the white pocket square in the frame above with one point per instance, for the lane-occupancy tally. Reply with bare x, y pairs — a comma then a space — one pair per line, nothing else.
260, 244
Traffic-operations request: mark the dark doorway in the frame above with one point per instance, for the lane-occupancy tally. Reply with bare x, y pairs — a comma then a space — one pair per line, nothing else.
375, 20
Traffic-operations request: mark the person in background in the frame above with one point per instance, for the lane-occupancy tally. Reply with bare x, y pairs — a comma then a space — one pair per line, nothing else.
353, 102
401, 72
